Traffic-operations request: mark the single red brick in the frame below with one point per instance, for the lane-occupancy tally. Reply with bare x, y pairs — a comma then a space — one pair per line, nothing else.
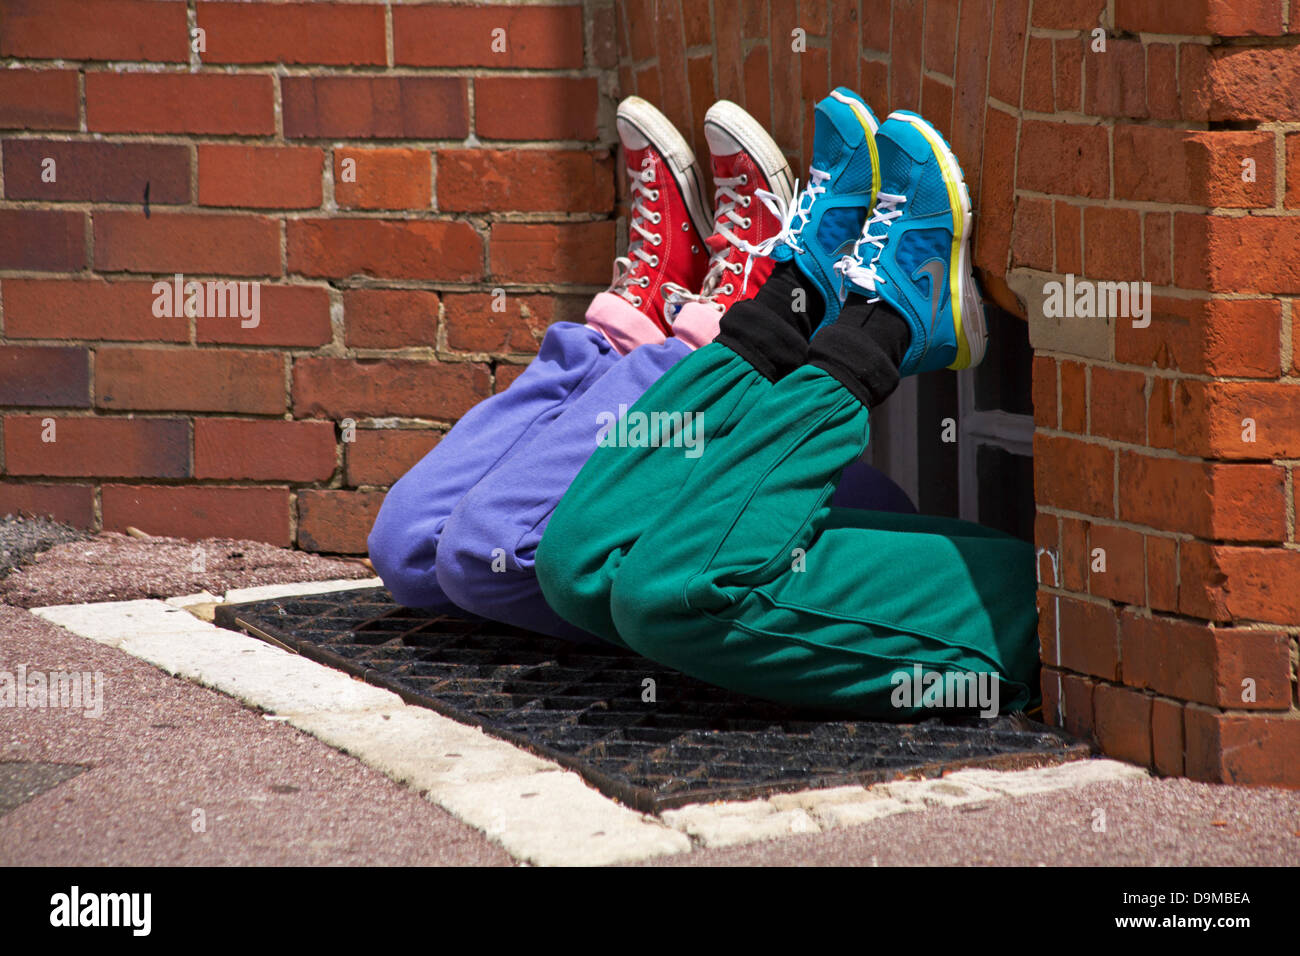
473, 325
843, 42
71, 504
399, 249
1184, 166
1068, 55
1068, 14
1007, 49
1032, 244
263, 451
181, 242
1242, 748
376, 107
87, 309
39, 99
604, 47
265, 177
579, 252
1236, 254
1064, 158
445, 35
1232, 502
42, 240
1074, 475
1238, 337
758, 92
1157, 250
1209, 665
1115, 81
1122, 554
1162, 84
382, 178
100, 172
1038, 92
1074, 397
1089, 638
390, 318
1119, 405
727, 47
97, 447
1167, 737
338, 388
1212, 17
37, 375
535, 107
1239, 420
329, 33
1074, 554
1259, 584
337, 521
1124, 723
380, 456
103, 30
196, 512
1162, 572
286, 315
525, 180
1253, 83
1292, 170
1077, 695
936, 102
997, 202
940, 35
974, 118
200, 380
1112, 243
180, 103
1069, 239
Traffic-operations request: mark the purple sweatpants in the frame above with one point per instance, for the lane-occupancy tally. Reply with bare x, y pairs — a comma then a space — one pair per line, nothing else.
404, 541
460, 530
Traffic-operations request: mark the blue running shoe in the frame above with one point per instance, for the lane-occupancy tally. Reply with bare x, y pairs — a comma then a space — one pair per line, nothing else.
914, 253
826, 218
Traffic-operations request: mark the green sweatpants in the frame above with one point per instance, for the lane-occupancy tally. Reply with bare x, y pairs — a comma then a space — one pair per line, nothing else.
733, 568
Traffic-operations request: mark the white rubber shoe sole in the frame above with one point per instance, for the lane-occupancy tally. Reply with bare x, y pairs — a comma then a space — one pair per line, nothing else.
728, 118
969, 316
637, 119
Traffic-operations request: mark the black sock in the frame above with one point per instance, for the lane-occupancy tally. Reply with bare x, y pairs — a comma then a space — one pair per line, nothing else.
863, 349
767, 331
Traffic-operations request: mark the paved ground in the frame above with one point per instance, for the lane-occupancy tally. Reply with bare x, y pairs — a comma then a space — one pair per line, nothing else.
165, 747
124, 788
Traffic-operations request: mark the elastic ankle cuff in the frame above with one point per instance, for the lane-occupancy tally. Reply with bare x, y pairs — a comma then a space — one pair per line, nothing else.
763, 339
856, 361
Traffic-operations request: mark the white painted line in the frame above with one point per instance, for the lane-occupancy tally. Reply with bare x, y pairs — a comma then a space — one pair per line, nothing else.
271, 591
538, 811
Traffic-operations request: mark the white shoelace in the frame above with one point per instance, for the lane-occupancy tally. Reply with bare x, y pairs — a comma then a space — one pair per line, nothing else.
624, 266
852, 267
725, 199
801, 209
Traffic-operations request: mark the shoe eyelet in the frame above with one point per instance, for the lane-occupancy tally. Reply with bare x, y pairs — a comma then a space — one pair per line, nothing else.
654, 261
748, 222
746, 200
658, 239
654, 195
695, 250
645, 282
686, 227
658, 218
636, 301
744, 179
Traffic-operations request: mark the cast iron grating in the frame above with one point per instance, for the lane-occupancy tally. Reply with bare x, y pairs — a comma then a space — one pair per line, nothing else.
582, 706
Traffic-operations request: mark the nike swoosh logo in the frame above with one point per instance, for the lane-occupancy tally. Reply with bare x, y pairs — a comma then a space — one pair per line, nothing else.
935, 269
844, 248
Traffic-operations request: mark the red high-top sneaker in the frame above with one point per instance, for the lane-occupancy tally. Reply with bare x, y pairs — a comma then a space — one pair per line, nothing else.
747, 165
667, 224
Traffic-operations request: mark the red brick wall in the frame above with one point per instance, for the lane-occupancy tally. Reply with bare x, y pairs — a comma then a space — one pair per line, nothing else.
1122, 165
476, 170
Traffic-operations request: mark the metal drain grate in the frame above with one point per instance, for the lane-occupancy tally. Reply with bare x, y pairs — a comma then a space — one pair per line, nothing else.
582, 706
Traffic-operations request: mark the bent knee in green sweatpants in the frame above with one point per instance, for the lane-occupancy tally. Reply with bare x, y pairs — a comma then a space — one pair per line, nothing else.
742, 575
